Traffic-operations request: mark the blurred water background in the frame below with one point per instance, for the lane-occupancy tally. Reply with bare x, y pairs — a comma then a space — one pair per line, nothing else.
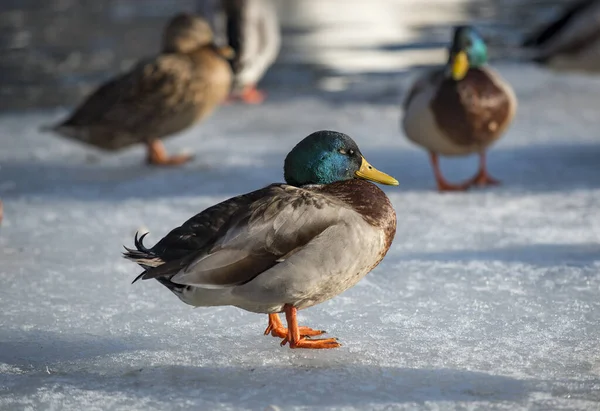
53, 52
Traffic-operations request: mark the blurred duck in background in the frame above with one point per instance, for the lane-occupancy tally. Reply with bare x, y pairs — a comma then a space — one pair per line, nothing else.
251, 29
572, 41
159, 96
460, 109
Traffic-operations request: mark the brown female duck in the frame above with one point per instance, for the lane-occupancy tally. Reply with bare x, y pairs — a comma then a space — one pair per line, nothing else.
158, 97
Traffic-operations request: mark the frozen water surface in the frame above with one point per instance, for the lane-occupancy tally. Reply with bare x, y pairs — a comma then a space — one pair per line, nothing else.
487, 300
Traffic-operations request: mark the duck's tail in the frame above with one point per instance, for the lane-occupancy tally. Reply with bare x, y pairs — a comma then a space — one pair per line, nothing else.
65, 130
50, 128
148, 260
142, 255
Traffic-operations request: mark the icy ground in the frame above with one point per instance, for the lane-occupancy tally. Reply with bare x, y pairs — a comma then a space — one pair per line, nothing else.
487, 300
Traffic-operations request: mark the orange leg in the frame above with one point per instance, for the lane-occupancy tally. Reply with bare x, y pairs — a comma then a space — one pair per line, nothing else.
157, 155
297, 340
248, 95
276, 328
482, 178
442, 183
251, 95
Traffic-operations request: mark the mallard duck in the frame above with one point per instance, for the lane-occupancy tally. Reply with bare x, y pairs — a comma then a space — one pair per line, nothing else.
460, 109
158, 97
252, 31
572, 41
284, 247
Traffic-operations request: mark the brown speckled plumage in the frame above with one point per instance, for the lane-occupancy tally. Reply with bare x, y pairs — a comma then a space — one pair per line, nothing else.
159, 96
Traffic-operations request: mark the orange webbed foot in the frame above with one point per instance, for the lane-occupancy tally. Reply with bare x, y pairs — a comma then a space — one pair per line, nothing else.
316, 344
294, 335
251, 95
276, 329
444, 186
175, 160
157, 155
484, 180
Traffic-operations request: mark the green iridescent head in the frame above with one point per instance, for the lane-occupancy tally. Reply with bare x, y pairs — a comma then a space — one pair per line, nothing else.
467, 50
325, 157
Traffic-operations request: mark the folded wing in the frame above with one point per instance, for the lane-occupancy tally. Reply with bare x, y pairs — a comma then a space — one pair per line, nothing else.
259, 235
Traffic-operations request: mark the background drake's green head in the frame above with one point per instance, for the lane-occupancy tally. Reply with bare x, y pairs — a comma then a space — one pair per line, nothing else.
325, 157
468, 49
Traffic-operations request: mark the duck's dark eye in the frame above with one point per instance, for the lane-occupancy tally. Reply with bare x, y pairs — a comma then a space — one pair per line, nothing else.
351, 152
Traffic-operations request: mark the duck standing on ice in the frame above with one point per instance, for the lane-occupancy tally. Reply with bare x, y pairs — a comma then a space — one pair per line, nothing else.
460, 109
159, 97
284, 247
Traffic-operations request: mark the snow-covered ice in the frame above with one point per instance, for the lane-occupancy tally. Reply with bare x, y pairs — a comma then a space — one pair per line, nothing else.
487, 300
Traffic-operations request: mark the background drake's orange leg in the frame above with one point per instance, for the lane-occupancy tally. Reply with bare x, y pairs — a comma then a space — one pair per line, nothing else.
276, 328
483, 178
442, 183
296, 340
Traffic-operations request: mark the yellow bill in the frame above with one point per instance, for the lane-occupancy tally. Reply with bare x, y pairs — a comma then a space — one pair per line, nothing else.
227, 52
368, 172
460, 65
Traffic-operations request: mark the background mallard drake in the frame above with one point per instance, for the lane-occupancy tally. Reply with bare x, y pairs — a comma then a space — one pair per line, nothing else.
286, 246
158, 97
461, 108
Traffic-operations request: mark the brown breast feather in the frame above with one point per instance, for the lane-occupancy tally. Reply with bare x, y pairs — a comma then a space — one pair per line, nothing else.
370, 202
472, 111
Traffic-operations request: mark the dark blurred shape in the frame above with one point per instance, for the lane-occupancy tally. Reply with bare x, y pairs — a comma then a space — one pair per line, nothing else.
251, 28
234, 28
545, 34
572, 40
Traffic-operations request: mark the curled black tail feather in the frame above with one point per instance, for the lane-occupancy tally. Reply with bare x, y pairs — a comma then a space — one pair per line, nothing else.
142, 255
139, 244
140, 251
138, 277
